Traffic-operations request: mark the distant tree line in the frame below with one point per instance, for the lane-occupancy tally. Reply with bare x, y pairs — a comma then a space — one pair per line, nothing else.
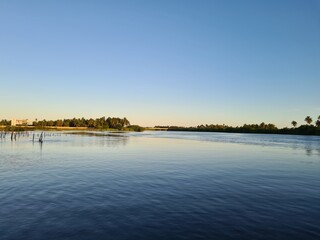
305, 129
98, 123
246, 128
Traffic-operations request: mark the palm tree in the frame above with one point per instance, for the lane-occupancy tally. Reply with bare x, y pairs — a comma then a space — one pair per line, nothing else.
318, 122
308, 119
294, 123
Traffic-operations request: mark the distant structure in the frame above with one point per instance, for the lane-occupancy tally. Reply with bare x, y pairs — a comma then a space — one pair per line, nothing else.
19, 122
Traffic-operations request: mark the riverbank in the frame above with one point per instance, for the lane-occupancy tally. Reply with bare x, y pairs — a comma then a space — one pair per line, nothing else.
302, 130
132, 128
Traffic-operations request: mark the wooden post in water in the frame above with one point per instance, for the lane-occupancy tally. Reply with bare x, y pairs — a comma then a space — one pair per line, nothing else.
41, 138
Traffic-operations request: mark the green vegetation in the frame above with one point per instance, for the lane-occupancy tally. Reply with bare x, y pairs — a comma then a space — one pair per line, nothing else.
308, 119
135, 128
5, 122
307, 129
318, 122
17, 129
121, 124
294, 123
98, 123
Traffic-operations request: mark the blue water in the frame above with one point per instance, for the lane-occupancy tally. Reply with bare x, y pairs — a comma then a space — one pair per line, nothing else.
160, 185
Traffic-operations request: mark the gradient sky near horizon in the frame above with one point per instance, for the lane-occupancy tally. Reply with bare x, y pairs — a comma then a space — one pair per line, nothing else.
161, 62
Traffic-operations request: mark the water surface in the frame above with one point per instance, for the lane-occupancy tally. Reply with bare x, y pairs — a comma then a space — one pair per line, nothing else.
160, 185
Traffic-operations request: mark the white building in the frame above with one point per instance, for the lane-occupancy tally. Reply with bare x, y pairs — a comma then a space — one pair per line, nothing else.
19, 122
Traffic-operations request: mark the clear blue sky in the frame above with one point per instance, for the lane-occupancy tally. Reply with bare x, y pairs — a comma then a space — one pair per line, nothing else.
161, 62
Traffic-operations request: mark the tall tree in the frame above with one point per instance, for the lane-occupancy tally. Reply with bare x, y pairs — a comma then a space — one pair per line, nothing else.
294, 123
59, 123
308, 119
90, 123
127, 123
318, 122
262, 125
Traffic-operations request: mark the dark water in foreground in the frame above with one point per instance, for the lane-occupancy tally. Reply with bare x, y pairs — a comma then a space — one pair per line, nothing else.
161, 186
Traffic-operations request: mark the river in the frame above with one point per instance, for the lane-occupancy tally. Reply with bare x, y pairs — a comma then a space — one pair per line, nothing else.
160, 185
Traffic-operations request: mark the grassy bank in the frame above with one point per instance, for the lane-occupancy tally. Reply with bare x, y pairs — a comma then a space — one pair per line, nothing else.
34, 128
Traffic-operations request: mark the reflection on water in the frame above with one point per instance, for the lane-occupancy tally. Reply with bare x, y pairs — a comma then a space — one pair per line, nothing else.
160, 186
311, 144
107, 139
